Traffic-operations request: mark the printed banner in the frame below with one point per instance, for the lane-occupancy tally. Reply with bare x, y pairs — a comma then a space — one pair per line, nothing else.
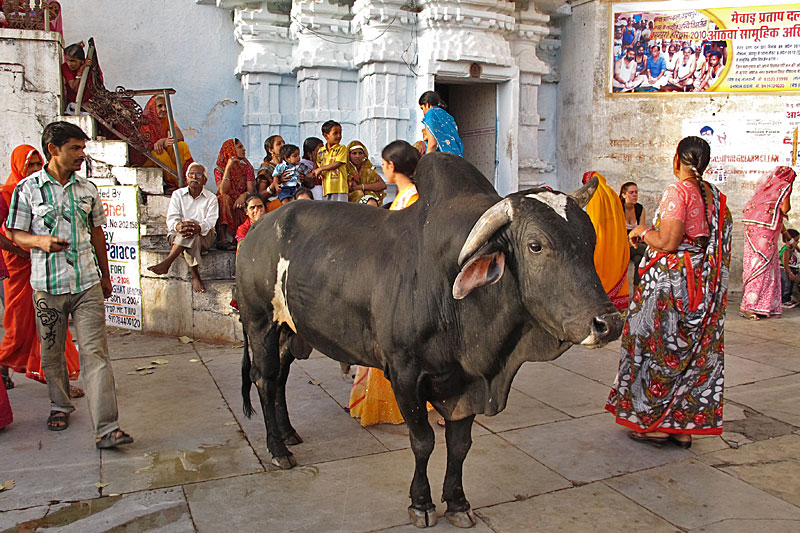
726, 49
124, 307
744, 147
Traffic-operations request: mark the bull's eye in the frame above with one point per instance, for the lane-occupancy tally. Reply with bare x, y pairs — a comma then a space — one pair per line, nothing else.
534, 247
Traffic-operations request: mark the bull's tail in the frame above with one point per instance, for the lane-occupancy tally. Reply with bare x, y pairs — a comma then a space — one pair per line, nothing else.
246, 381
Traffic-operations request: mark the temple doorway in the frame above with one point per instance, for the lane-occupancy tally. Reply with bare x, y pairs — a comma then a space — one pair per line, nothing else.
474, 106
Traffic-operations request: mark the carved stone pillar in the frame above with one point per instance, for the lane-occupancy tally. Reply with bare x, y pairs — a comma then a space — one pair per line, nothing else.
531, 27
322, 62
385, 56
265, 70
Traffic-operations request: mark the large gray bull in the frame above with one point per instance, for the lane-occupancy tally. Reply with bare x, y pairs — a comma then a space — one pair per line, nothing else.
450, 297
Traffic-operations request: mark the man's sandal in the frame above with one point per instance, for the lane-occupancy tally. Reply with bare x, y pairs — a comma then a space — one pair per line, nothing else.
76, 392
7, 383
113, 439
58, 421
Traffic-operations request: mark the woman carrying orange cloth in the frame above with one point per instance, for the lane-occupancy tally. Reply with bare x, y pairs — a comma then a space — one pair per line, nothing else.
372, 398
155, 129
20, 349
235, 179
612, 252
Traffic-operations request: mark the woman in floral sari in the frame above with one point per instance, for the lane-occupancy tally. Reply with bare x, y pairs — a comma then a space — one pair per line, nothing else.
763, 223
235, 179
670, 380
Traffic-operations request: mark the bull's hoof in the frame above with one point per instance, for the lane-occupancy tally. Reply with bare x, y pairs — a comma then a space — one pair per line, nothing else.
461, 518
422, 518
292, 439
285, 462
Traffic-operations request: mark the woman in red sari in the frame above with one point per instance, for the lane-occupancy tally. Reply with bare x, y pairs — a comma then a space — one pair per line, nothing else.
235, 179
19, 349
670, 380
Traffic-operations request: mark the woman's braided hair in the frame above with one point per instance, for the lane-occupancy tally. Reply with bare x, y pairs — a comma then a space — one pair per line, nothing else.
695, 153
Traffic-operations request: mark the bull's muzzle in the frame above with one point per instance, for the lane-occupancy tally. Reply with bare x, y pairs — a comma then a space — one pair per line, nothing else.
605, 328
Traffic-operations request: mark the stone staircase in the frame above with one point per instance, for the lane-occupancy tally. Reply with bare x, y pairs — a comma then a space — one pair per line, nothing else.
169, 305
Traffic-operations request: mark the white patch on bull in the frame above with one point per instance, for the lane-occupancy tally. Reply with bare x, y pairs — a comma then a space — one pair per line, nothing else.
556, 202
280, 309
278, 231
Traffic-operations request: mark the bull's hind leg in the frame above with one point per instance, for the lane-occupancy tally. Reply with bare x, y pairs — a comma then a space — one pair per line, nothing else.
422, 511
266, 373
287, 432
458, 434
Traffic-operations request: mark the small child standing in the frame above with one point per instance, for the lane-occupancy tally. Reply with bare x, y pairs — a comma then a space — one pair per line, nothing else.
311, 147
790, 280
331, 163
289, 171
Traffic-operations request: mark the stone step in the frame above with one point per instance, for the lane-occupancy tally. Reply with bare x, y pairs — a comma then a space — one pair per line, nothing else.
216, 265
109, 153
84, 122
171, 307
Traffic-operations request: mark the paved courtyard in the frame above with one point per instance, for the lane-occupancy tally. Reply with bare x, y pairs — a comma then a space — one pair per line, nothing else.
553, 461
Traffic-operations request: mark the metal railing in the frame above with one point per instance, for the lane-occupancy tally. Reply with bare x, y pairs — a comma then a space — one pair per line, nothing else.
120, 114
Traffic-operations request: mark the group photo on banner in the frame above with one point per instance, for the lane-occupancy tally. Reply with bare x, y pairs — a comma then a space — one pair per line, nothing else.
727, 49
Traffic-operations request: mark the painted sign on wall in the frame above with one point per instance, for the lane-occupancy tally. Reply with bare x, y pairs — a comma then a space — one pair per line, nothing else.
124, 307
663, 48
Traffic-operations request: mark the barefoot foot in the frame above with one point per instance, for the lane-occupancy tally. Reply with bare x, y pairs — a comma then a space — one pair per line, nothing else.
197, 285
160, 269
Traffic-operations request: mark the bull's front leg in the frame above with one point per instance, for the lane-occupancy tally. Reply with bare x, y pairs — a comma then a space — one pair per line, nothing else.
267, 361
422, 511
458, 434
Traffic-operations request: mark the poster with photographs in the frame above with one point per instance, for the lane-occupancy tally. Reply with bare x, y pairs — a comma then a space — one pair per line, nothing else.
664, 47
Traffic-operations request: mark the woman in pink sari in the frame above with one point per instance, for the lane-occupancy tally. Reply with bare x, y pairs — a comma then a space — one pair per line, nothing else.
763, 223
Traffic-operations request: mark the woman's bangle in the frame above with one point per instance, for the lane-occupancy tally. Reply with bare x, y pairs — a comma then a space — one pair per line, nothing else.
362, 187
645, 233
226, 179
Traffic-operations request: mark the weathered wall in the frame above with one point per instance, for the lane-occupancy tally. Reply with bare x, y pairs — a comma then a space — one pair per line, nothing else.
169, 43
29, 93
590, 118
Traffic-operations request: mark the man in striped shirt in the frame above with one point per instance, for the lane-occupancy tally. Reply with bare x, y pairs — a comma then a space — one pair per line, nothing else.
59, 217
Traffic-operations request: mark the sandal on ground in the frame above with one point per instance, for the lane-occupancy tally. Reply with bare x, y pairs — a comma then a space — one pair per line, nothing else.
685, 444
58, 421
749, 316
76, 392
113, 439
7, 383
643, 437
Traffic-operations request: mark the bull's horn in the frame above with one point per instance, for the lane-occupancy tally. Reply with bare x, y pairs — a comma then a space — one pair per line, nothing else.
585, 193
493, 219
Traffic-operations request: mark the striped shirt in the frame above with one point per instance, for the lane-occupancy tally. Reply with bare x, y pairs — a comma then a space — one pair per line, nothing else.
42, 206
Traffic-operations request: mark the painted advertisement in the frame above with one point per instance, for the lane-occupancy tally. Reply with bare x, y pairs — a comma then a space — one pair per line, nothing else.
124, 307
666, 48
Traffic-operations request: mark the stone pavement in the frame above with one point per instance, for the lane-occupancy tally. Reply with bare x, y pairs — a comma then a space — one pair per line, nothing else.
553, 461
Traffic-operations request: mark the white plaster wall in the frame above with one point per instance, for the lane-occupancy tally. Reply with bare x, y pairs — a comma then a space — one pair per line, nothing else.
169, 43
589, 118
29, 91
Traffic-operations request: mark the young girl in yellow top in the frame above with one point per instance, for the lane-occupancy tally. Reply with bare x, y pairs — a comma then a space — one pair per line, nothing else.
372, 398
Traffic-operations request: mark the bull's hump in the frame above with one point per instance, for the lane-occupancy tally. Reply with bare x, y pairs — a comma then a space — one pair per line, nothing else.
555, 201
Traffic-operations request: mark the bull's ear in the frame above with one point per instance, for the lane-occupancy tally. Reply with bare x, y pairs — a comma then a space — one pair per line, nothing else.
484, 268
585, 193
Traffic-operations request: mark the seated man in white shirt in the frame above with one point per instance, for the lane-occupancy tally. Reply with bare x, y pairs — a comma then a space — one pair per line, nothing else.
192, 214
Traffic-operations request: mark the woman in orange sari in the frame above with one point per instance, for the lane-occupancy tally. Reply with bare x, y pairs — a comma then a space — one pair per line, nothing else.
156, 130
20, 350
611, 253
372, 398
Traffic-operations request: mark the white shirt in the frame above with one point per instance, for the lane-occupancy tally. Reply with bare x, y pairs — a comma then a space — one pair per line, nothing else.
204, 210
